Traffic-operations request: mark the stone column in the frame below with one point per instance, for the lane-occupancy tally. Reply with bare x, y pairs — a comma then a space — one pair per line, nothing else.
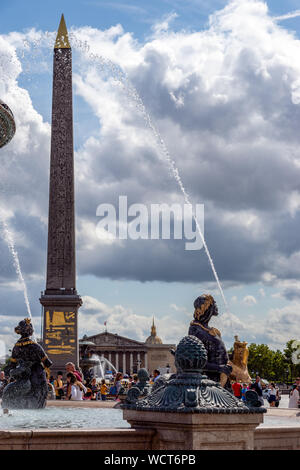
117, 361
138, 361
146, 361
131, 363
124, 363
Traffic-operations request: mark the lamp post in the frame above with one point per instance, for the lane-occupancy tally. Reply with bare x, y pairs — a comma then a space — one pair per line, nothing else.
259, 365
287, 376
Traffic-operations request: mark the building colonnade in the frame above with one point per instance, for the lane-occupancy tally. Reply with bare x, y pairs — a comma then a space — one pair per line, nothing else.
127, 362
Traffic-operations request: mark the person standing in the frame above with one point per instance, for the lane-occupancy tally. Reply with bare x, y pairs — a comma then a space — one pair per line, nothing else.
95, 389
258, 388
271, 397
103, 390
297, 382
75, 388
278, 396
3, 382
243, 392
237, 389
59, 386
118, 384
70, 368
156, 375
51, 391
133, 380
294, 397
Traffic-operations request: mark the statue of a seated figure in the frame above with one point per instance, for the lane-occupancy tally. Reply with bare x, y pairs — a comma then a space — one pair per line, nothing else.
217, 367
27, 368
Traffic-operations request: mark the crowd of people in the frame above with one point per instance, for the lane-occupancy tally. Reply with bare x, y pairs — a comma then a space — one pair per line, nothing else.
74, 387
269, 391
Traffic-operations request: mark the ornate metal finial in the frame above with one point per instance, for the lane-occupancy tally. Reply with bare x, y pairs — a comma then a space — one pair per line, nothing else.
153, 328
140, 389
189, 390
190, 355
62, 39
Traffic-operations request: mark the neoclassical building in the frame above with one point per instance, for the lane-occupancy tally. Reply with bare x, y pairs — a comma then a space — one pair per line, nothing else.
128, 355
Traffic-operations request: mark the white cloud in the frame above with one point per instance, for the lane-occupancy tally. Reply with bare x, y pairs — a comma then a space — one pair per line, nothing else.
249, 300
125, 322
164, 25
262, 292
279, 325
226, 102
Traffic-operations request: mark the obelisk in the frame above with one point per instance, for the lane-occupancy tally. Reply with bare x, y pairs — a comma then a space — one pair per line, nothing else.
60, 299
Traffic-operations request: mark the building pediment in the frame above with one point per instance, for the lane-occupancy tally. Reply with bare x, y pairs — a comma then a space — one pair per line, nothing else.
110, 339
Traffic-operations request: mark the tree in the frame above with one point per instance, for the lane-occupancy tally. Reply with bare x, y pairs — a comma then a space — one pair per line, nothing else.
260, 360
279, 366
6, 364
268, 364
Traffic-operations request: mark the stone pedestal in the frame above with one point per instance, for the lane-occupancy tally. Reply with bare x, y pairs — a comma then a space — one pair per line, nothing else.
197, 431
188, 411
60, 338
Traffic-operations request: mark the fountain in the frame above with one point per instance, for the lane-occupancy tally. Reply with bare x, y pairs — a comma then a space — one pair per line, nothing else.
104, 365
189, 411
27, 369
186, 410
7, 132
92, 364
87, 362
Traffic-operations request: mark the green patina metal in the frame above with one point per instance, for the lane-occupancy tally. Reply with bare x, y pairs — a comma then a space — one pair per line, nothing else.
189, 391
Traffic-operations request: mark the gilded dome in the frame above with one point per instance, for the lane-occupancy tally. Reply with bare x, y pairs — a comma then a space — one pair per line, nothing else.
153, 338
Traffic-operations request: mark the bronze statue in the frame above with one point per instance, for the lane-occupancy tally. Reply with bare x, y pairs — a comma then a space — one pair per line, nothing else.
217, 367
239, 362
27, 370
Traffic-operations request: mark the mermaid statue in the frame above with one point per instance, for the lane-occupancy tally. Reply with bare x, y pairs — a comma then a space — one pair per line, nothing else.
28, 364
217, 368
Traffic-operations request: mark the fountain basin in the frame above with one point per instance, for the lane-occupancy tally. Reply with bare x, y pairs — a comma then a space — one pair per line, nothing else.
64, 417
90, 414
100, 425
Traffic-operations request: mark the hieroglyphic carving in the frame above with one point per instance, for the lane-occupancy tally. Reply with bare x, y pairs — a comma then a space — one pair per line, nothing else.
61, 229
60, 333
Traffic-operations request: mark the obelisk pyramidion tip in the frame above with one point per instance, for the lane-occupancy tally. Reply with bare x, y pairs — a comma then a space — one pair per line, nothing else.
62, 39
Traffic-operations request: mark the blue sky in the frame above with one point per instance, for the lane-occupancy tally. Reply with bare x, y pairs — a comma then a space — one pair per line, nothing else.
250, 231
136, 16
